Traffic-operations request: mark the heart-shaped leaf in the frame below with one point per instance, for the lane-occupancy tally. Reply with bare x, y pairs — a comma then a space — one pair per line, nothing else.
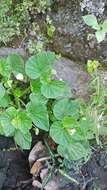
66, 107
5, 119
22, 122
39, 64
55, 89
75, 151
38, 98
91, 20
60, 134
23, 140
16, 63
39, 115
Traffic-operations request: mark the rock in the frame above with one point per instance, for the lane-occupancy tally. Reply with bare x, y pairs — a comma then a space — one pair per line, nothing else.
93, 7
52, 185
71, 36
13, 170
74, 74
5, 51
38, 151
44, 173
2, 179
36, 183
60, 183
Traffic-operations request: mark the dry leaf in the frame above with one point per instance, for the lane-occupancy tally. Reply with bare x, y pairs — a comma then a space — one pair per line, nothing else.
37, 166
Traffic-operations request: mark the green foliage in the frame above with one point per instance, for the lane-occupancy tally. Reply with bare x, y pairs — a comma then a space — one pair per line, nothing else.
92, 66
101, 29
68, 130
16, 123
15, 17
50, 27
2, 91
30, 97
55, 89
39, 65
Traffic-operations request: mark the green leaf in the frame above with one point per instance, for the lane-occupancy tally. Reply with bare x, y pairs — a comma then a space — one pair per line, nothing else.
1, 130
50, 30
66, 131
100, 35
104, 26
92, 66
91, 20
39, 64
5, 101
4, 68
55, 89
66, 107
22, 122
69, 122
6, 118
16, 63
8, 128
59, 134
87, 127
11, 111
38, 98
39, 115
2, 91
16, 123
36, 86
75, 151
23, 140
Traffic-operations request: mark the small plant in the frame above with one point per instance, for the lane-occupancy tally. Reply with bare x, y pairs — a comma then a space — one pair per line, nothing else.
50, 27
30, 97
100, 28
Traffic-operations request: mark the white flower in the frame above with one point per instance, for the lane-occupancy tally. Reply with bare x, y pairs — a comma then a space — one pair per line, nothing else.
19, 76
61, 79
54, 72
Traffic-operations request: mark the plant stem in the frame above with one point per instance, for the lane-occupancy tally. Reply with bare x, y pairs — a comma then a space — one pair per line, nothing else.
67, 176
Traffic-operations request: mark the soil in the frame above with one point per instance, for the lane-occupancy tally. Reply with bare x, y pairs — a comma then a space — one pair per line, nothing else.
14, 170
14, 167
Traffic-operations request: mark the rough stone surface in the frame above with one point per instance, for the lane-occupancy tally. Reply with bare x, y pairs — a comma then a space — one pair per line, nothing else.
74, 74
5, 51
71, 36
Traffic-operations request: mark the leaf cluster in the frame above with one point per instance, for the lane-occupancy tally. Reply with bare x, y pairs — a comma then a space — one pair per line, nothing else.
29, 96
100, 28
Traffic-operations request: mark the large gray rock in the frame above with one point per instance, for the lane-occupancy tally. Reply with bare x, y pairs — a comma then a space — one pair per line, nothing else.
71, 36
5, 51
74, 74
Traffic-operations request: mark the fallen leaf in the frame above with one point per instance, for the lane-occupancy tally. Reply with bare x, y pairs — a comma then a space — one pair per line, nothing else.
37, 166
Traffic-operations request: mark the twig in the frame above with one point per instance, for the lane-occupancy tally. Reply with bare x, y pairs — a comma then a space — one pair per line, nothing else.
47, 158
85, 183
69, 177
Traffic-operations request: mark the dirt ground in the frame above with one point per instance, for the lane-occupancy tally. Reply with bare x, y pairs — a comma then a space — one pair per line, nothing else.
15, 175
